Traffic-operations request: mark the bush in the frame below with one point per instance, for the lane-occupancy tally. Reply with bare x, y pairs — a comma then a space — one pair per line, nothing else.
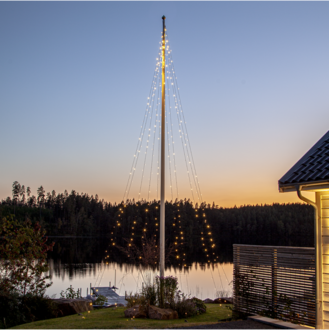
101, 300
136, 299
187, 307
200, 305
23, 251
184, 307
69, 293
149, 292
161, 293
10, 312
17, 309
172, 298
38, 307
169, 286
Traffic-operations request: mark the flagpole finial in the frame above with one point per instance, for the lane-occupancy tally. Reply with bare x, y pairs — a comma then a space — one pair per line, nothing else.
163, 17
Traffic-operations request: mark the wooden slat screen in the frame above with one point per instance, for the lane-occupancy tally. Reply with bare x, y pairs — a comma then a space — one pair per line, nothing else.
275, 281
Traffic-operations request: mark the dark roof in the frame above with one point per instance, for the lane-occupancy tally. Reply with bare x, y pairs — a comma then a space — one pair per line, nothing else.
312, 168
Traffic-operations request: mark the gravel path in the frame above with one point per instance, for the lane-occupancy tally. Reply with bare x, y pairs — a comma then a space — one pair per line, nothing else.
243, 324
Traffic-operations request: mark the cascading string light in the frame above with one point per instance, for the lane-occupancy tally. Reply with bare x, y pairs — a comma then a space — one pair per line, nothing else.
173, 148
158, 161
180, 129
152, 125
143, 127
207, 242
152, 130
168, 138
183, 129
155, 127
182, 120
118, 217
170, 134
146, 151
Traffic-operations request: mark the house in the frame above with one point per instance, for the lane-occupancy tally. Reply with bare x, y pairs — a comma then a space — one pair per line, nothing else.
311, 173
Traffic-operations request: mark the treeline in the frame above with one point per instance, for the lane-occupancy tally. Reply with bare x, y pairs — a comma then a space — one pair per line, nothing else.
187, 225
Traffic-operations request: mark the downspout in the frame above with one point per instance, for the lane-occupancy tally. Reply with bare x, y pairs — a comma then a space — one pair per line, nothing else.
318, 260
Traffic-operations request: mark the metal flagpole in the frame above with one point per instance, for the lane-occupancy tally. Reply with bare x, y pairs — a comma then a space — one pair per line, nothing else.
163, 117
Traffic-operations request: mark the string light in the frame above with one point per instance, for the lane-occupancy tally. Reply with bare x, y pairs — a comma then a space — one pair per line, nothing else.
146, 144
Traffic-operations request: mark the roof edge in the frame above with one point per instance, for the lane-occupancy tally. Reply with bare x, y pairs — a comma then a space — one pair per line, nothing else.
301, 161
324, 184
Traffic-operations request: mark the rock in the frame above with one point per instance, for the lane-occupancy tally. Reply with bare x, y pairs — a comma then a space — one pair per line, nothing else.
208, 301
161, 314
72, 306
223, 301
136, 311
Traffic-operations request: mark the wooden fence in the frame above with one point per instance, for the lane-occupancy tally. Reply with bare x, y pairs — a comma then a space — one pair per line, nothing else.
275, 281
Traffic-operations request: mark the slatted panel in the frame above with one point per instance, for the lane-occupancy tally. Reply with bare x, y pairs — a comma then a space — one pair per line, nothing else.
275, 281
325, 256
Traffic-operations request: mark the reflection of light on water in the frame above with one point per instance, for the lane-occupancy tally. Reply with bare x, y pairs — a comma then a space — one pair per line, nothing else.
199, 281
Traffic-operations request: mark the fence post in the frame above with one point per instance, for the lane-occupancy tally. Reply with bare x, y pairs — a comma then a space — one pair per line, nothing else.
236, 279
274, 282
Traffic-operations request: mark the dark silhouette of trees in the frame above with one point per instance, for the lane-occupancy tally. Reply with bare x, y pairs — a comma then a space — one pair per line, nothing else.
75, 214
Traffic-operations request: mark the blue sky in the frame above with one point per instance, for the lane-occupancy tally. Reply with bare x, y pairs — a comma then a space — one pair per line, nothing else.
75, 76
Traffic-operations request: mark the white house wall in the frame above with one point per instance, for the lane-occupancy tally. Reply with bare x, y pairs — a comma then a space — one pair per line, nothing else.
322, 199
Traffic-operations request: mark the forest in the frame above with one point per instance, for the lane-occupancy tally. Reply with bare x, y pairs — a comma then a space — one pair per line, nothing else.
191, 230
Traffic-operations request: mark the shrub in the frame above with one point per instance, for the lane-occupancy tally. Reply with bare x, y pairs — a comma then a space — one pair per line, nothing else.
187, 307
169, 286
38, 307
16, 309
23, 251
136, 299
184, 307
200, 305
69, 293
149, 292
101, 300
10, 312
160, 293
173, 298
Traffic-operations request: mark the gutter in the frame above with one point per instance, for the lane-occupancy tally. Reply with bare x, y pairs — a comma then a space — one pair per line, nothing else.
318, 259
303, 198
288, 187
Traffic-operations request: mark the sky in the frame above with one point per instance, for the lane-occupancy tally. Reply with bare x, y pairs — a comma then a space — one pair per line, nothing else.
75, 77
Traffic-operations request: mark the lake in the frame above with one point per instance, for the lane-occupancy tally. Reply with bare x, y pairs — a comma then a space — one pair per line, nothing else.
80, 262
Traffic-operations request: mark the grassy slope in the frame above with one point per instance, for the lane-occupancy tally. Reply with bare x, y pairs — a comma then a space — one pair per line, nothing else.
114, 319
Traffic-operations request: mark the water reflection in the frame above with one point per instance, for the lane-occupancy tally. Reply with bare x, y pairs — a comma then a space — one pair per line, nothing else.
80, 262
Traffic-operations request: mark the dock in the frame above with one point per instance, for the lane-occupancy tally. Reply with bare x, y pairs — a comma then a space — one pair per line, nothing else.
110, 294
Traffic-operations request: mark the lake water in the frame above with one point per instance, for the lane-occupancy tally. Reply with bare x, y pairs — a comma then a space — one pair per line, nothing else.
79, 262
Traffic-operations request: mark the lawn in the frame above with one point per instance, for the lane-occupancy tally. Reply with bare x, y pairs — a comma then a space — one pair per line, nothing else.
114, 319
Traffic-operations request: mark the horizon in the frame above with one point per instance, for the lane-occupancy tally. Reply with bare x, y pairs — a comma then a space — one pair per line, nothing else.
151, 201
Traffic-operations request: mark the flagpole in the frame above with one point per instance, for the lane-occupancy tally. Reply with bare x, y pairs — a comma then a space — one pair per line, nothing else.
163, 118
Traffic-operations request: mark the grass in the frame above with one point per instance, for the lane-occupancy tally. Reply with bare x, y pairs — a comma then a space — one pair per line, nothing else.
114, 319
